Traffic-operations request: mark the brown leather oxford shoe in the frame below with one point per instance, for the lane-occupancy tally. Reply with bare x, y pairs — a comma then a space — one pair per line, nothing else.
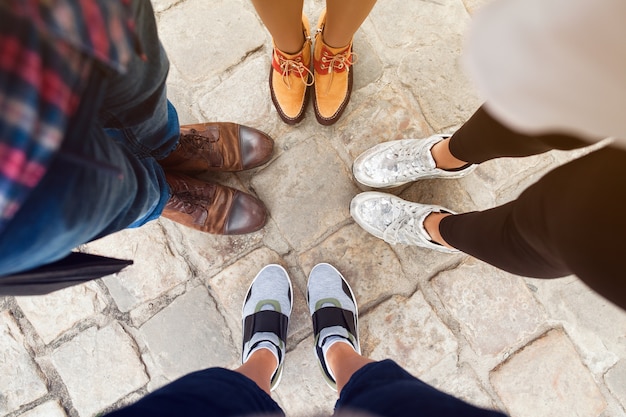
218, 147
212, 208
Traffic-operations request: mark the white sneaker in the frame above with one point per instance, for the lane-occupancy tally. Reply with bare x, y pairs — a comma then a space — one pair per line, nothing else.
397, 162
395, 220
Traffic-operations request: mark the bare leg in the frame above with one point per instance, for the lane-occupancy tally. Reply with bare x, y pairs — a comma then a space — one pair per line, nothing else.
283, 19
260, 367
343, 19
343, 362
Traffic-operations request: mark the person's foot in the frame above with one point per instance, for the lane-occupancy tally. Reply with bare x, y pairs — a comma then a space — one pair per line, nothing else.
396, 220
265, 316
333, 72
397, 162
219, 146
334, 313
290, 78
211, 207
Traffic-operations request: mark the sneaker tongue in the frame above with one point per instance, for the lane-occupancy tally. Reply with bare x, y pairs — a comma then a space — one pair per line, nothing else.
426, 159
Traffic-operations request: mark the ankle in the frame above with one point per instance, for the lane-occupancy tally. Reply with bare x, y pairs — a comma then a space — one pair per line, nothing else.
443, 157
335, 42
431, 225
291, 47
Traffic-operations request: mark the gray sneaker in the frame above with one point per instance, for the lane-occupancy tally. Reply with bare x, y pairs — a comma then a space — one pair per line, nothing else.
395, 220
397, 162
334, 313
265, 316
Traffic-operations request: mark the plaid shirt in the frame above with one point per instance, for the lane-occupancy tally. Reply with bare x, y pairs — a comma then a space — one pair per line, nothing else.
47, 51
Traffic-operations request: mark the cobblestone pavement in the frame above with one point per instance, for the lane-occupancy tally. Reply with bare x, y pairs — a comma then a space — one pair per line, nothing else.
529, 347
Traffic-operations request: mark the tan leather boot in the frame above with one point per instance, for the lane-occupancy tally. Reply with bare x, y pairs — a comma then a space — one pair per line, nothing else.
211, 207
333, 77
290, 78
221, 146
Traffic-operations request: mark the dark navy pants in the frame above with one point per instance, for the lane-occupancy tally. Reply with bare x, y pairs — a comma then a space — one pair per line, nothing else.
381, 389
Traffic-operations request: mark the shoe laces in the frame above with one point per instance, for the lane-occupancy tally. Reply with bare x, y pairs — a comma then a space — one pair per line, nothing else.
403, 223
336, 62
195, 144
294, 66
397, 163
190, 199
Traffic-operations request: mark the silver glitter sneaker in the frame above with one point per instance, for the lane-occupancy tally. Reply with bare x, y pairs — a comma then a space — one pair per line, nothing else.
397, 162
395, 220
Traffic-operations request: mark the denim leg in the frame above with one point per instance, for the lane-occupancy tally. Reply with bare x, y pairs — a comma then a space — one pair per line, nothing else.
79, 199
106, 177
211, 392
135, 111
384, 389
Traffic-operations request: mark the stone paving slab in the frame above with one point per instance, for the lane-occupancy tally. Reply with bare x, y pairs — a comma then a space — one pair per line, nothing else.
188, 335
49, 314
48, 409
547, 378
21, 381
152, 256
528, 347
99, 367
495, 310
408, 331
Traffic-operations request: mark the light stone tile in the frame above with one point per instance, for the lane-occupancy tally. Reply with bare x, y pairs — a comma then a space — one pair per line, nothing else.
161, 5
595, 325
494, 309
20, 381
205, 254
307, 190
230, 286
507, 178
389, 114
462, 384
99, 367
473, 6
243, 97
546, 378
434, 75
156, 268
616, 381
303, 390
451, 194
188, 335
367, 263
407, 331
367, 67
49, 314
192, 32
418, 22
47, 409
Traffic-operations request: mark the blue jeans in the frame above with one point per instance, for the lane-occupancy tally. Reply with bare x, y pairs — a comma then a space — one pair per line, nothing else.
381, 389
106, 176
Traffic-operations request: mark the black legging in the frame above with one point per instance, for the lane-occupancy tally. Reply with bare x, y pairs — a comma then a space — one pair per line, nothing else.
571, 221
